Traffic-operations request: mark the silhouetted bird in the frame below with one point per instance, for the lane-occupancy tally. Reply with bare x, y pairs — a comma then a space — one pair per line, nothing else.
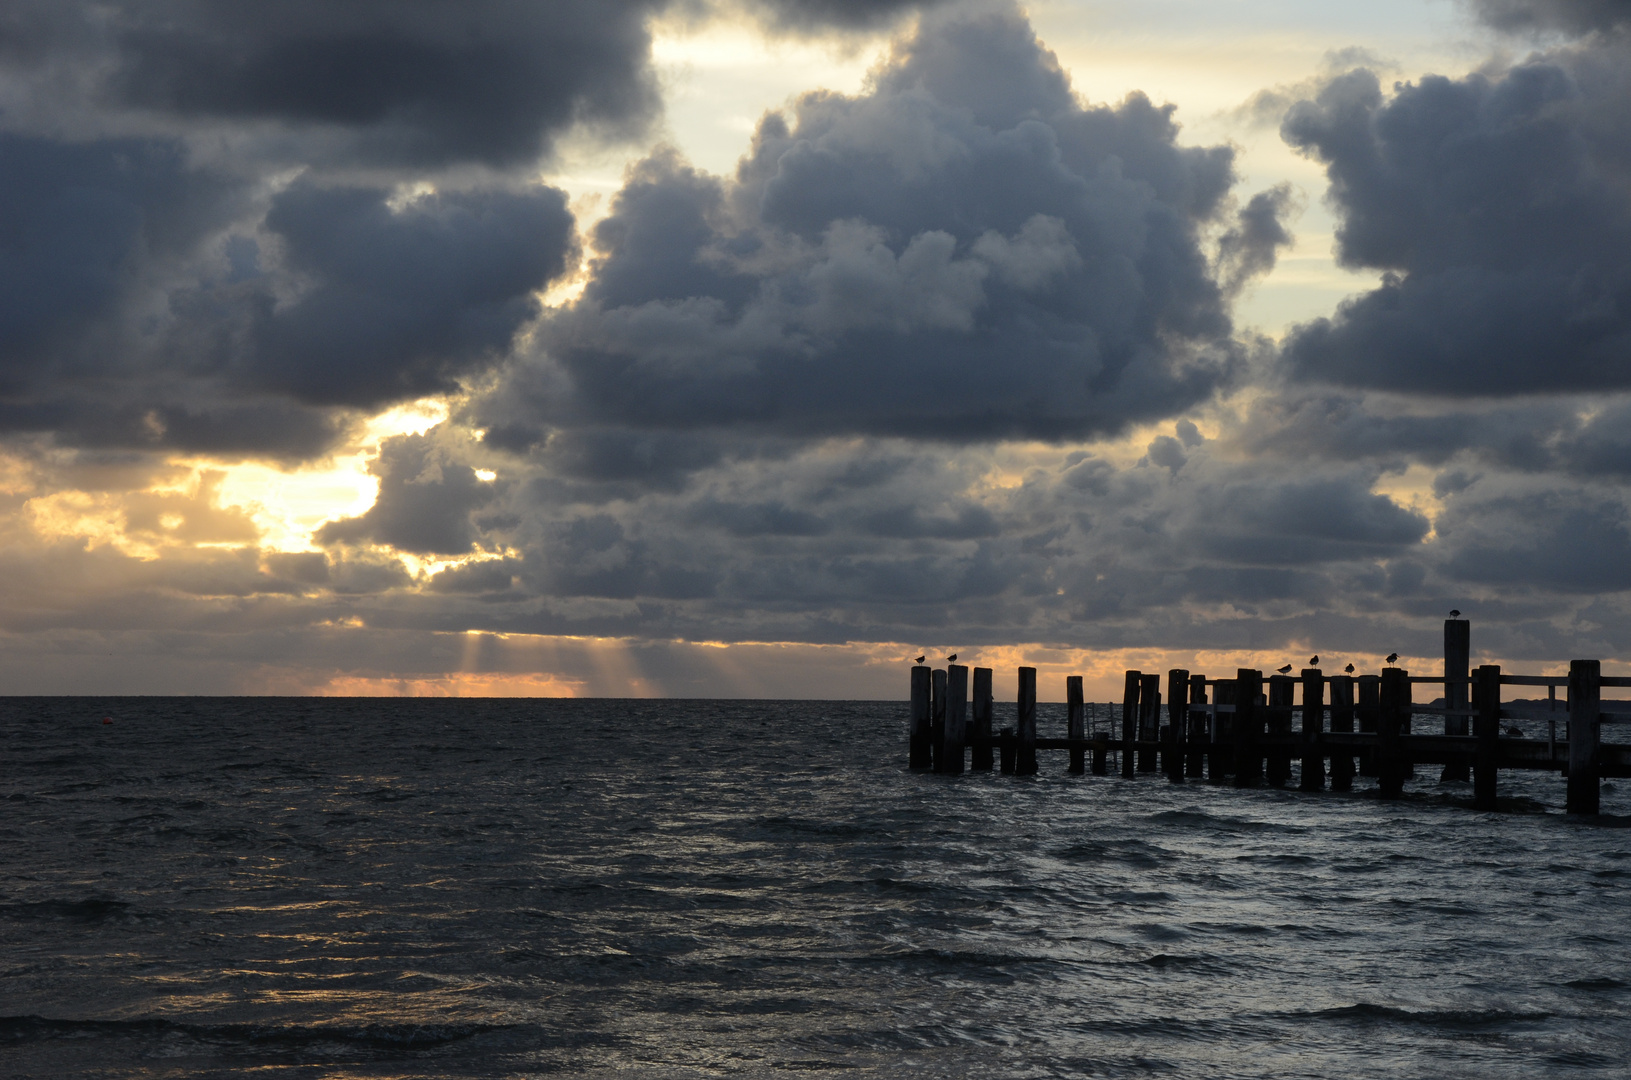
920, 659
1282, 671
1349, 669
1392, 656
1313, 661
1454, 614
952, 657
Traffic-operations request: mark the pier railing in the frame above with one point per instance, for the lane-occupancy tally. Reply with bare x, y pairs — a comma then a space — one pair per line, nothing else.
1248, 730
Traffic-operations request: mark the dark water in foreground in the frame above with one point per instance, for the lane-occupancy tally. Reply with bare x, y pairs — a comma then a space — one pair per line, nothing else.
214, 887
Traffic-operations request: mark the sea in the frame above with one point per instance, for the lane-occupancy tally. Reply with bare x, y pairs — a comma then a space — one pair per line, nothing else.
266, 887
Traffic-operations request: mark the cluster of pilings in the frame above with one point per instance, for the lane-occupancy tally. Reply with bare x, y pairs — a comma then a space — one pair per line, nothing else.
1237, 730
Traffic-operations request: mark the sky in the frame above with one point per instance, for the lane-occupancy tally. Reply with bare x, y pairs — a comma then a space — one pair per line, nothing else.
751, 348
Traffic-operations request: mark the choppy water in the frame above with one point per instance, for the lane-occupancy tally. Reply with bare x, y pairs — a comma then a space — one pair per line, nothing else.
612, 888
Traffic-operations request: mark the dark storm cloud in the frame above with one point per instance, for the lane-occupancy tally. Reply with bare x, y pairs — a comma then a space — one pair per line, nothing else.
403, 300
1565, 540
1574, 16
965, 252
1496, 205
843, 14
419, 82
425, 501
79, 225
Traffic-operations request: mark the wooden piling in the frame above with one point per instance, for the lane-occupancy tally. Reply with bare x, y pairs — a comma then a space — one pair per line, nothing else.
1457, 656
1366, 715
1220, 758
1075, 723
937, 717
1008, 744
1195, 729
980, 734
1487, 698
1585, 719
1248, 725
1313, 730
920, 755
1278, 722
1149, 719
1025, 729
1129, 722
1342, 719
1391, 766
1177, 723
951, 754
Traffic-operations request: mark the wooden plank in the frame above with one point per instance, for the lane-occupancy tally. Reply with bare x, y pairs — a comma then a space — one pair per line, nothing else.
1457, 655
1585, 706
1366, 715
1487, 727
1196, 730
1220, 758
1149, 720
1248, 728
1075, 723
951, 753
919, 754
1391, 765
1313, 730
1129, 721
1025, 729
1277, 721
1342, 720
1177, 723
980, 736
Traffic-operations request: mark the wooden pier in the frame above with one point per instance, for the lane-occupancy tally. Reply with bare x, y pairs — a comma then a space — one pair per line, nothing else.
1248, 734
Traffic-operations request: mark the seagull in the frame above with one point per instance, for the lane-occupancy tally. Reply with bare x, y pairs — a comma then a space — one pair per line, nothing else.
1454, 614
1349, 669
951, 658
1284, 669
920, 659
1314, 661
1391, 657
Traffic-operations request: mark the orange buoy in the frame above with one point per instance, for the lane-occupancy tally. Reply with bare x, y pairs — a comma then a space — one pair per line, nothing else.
107, 719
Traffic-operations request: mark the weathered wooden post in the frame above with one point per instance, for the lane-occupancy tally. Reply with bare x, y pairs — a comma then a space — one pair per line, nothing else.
1195, 729
1281, 693
1177, 723
1585, 720
1129, 722
1008, 745
1025, 730
1391, 765
937, 717
951, 753
1075, 724
1149, 719
1487, 699
1367, 716
1313, 731
1457, 656
1342, 719
1220, 760
920, 756
980, 758
1248, 727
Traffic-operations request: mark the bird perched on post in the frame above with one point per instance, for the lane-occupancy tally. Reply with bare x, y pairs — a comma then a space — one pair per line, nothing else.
952, 658
1392, 657
920, 659
1349, 669
1284, 670
1314, 661
1454, 614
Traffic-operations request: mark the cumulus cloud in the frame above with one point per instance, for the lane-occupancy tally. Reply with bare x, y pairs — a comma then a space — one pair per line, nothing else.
1496, 207
964, 251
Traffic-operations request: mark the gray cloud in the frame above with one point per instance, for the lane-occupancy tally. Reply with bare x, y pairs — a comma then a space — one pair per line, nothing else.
1496, 206
425, 501
964, 252
1574, 16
